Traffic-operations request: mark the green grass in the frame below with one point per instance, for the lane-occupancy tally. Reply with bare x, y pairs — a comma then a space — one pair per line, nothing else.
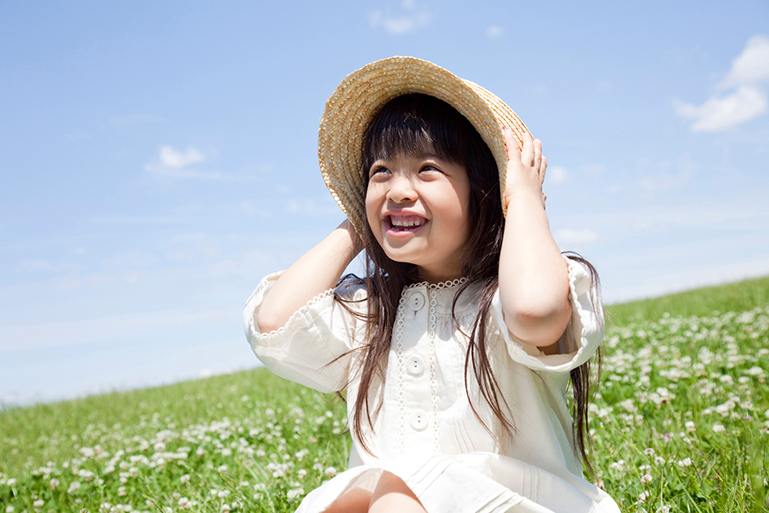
681, 422
732, 297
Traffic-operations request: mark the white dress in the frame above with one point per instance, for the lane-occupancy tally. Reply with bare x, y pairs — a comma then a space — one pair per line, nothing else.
425, 431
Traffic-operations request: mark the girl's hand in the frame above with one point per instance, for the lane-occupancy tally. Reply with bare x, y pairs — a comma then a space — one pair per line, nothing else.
525, 168
354, 237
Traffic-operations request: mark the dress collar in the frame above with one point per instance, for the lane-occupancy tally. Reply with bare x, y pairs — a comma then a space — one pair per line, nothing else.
443, 293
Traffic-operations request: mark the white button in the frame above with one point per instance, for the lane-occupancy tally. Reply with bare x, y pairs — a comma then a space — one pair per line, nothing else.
415, 365
417, 301
419, 420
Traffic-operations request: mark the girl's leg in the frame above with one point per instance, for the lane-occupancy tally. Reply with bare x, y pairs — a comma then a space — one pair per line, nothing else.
392, 495
356, 500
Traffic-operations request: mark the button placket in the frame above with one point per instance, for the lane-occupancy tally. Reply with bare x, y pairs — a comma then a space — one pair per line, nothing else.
419, 420
415, 365
416, 301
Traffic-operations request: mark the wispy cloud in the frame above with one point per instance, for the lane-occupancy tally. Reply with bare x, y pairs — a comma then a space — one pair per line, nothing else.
134, 119
409, 18
556, 175
494, 31
129, 220
747, 99
569, 238
172, 163
664, 176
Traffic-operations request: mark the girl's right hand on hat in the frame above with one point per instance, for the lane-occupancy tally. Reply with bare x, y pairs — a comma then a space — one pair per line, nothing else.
525, 167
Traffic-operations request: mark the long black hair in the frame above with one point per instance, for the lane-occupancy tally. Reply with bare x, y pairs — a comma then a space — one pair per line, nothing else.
410, 124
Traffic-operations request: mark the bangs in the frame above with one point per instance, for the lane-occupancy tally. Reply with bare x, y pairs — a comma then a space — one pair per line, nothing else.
416, 125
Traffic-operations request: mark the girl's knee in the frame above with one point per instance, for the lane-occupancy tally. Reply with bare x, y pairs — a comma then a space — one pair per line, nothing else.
356, 500
392, 494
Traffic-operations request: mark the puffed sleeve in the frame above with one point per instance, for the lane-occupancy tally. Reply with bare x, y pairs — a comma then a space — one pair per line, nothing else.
313, 348
583, 334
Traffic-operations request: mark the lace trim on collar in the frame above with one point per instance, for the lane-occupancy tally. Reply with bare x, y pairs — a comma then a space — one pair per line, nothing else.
438, 286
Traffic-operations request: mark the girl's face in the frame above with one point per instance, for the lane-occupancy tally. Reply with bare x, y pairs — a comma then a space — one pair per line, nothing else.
417, 207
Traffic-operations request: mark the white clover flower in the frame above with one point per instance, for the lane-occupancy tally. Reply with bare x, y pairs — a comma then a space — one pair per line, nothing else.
690, 426
330, 472
222, 469
183, 502
301, 473
121, 492
686, 462
649, 451
663, 509
646, 479
226, 507
223, 493
12, 481
243, 483
294, 494
718, 428
617, 465
9, 509
73, 486
643, 496
185, 479
38, 503
659, 460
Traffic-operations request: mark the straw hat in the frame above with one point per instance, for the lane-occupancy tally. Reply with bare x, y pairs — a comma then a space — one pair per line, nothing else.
364, 92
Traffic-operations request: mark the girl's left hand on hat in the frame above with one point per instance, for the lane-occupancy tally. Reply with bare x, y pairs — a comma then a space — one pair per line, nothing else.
525, 168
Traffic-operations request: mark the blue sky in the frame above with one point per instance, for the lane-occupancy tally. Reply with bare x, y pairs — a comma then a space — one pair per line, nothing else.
159, 158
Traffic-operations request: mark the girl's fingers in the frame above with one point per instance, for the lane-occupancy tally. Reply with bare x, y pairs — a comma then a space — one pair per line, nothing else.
513, 151
542, 169
527, 155
537, 155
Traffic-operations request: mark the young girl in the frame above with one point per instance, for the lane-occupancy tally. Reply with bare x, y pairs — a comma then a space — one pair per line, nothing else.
456, 348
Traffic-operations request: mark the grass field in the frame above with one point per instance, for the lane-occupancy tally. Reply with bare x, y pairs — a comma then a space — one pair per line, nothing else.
680, 423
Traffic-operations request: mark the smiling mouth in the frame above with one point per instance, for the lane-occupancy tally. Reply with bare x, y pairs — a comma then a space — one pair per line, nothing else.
405, 223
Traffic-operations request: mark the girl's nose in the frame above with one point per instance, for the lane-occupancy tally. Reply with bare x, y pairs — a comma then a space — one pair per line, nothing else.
401, 190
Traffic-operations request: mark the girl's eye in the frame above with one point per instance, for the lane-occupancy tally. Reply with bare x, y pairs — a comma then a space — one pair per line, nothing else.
378, 169
430, 167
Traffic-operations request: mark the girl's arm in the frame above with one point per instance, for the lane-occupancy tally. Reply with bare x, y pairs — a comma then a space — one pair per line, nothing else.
314, 273
533, 276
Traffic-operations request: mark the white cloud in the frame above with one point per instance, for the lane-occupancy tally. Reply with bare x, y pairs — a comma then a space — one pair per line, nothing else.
571, 237
494, 31
556, 175
751, 67
719, 114
747, 101
410, 19
171, 163
171, 158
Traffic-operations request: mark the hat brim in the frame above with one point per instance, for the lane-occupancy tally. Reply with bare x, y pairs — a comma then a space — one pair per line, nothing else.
362, 93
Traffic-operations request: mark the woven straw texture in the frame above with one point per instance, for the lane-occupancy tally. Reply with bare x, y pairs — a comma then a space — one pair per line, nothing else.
362, 93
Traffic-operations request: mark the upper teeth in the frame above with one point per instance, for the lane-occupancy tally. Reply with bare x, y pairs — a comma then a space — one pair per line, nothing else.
407, 221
